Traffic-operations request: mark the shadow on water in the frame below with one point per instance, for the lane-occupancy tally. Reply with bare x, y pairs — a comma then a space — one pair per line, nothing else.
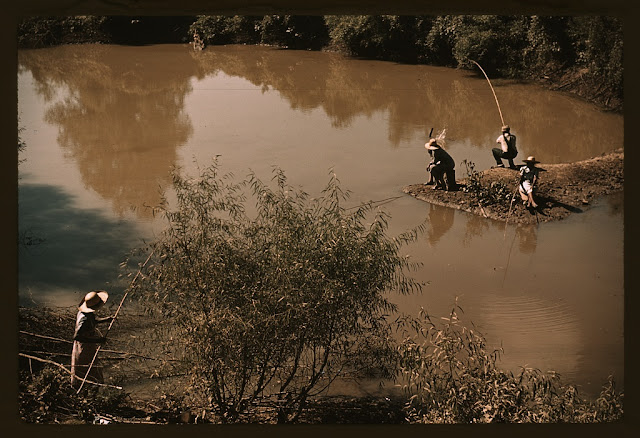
82, 248
547, 202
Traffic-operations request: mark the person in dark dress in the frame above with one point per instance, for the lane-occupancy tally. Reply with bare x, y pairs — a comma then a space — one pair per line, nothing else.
86, 339
442, 164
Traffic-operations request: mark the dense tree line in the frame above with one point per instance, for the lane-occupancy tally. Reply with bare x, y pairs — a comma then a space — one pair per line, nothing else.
578, 53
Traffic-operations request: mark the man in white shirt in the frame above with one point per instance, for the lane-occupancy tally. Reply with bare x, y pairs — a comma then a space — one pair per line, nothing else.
507, 149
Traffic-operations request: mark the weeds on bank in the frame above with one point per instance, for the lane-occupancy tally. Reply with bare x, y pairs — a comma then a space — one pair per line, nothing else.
449, 375
485, 193
46, 396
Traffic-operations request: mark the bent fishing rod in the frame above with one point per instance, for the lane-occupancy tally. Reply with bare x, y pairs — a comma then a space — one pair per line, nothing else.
492, 90
113, 319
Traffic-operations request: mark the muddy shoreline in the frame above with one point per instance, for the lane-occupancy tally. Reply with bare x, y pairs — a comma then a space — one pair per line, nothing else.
563, 189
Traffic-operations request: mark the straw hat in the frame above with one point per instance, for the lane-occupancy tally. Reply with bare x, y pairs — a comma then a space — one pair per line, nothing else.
432, 145
93, 300
531, 159
506, 128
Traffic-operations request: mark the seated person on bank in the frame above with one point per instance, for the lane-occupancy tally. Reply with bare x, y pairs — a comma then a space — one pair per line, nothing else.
528, 180
441, 164
507, 149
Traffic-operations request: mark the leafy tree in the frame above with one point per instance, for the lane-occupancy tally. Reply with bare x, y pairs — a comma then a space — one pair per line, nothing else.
391, 37
598, 44
222, 29
276, 304
294, 31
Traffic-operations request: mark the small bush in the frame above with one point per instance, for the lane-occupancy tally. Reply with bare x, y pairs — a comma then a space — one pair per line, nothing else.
495, 192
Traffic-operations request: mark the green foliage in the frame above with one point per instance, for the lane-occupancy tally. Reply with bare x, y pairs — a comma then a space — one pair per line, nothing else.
391, 37
598, 45
546, 43
221, 29
450, 376
277, 304
436, 40
485, 193
48, 397
293, 31
49, 31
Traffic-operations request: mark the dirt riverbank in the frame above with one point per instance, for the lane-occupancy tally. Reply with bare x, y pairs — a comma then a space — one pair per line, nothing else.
563, 189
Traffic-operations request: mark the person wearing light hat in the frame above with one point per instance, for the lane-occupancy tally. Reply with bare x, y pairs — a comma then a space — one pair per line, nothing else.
507, 149
528, 180
87, 337
441, 164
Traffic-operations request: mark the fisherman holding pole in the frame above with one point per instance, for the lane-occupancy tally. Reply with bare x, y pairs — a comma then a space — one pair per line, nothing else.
86, 339
93, 341
507, 141
442, 164
507, 149
528, 179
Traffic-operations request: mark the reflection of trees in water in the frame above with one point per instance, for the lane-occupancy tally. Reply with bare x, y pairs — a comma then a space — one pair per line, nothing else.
124, 115
122, 119
476, 226
527, 237
440, 221
416, 98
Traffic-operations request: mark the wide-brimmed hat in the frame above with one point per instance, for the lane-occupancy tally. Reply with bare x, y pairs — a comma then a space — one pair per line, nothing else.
506, 128
432, 145
531, 159
93, 300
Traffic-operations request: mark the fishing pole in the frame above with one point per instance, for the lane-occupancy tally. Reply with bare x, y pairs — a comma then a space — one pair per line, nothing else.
492, 90
114, 318
510, 208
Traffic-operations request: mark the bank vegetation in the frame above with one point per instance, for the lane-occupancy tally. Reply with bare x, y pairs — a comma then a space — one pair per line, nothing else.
578, 54
256, 300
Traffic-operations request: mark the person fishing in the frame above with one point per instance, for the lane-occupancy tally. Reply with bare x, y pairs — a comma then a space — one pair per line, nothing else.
507, 149
86, 339
528, 179
442, 164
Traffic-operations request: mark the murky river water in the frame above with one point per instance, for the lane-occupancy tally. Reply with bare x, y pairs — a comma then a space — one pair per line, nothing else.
105, 124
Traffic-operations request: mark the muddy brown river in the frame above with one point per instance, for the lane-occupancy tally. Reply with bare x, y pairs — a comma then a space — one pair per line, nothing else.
104, 125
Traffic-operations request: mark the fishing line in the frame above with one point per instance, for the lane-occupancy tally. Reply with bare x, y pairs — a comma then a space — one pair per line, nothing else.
114, 318
492, 90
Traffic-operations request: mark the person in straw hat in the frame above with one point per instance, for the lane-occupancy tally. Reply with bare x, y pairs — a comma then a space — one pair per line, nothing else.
507, 149
87, 337
528, 180
441, 164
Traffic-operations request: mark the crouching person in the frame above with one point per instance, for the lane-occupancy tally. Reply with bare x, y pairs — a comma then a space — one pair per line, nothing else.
528, 181
442, 164
507, 149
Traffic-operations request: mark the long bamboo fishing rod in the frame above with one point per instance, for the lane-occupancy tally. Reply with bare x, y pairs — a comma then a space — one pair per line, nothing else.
114, 318
492, 90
